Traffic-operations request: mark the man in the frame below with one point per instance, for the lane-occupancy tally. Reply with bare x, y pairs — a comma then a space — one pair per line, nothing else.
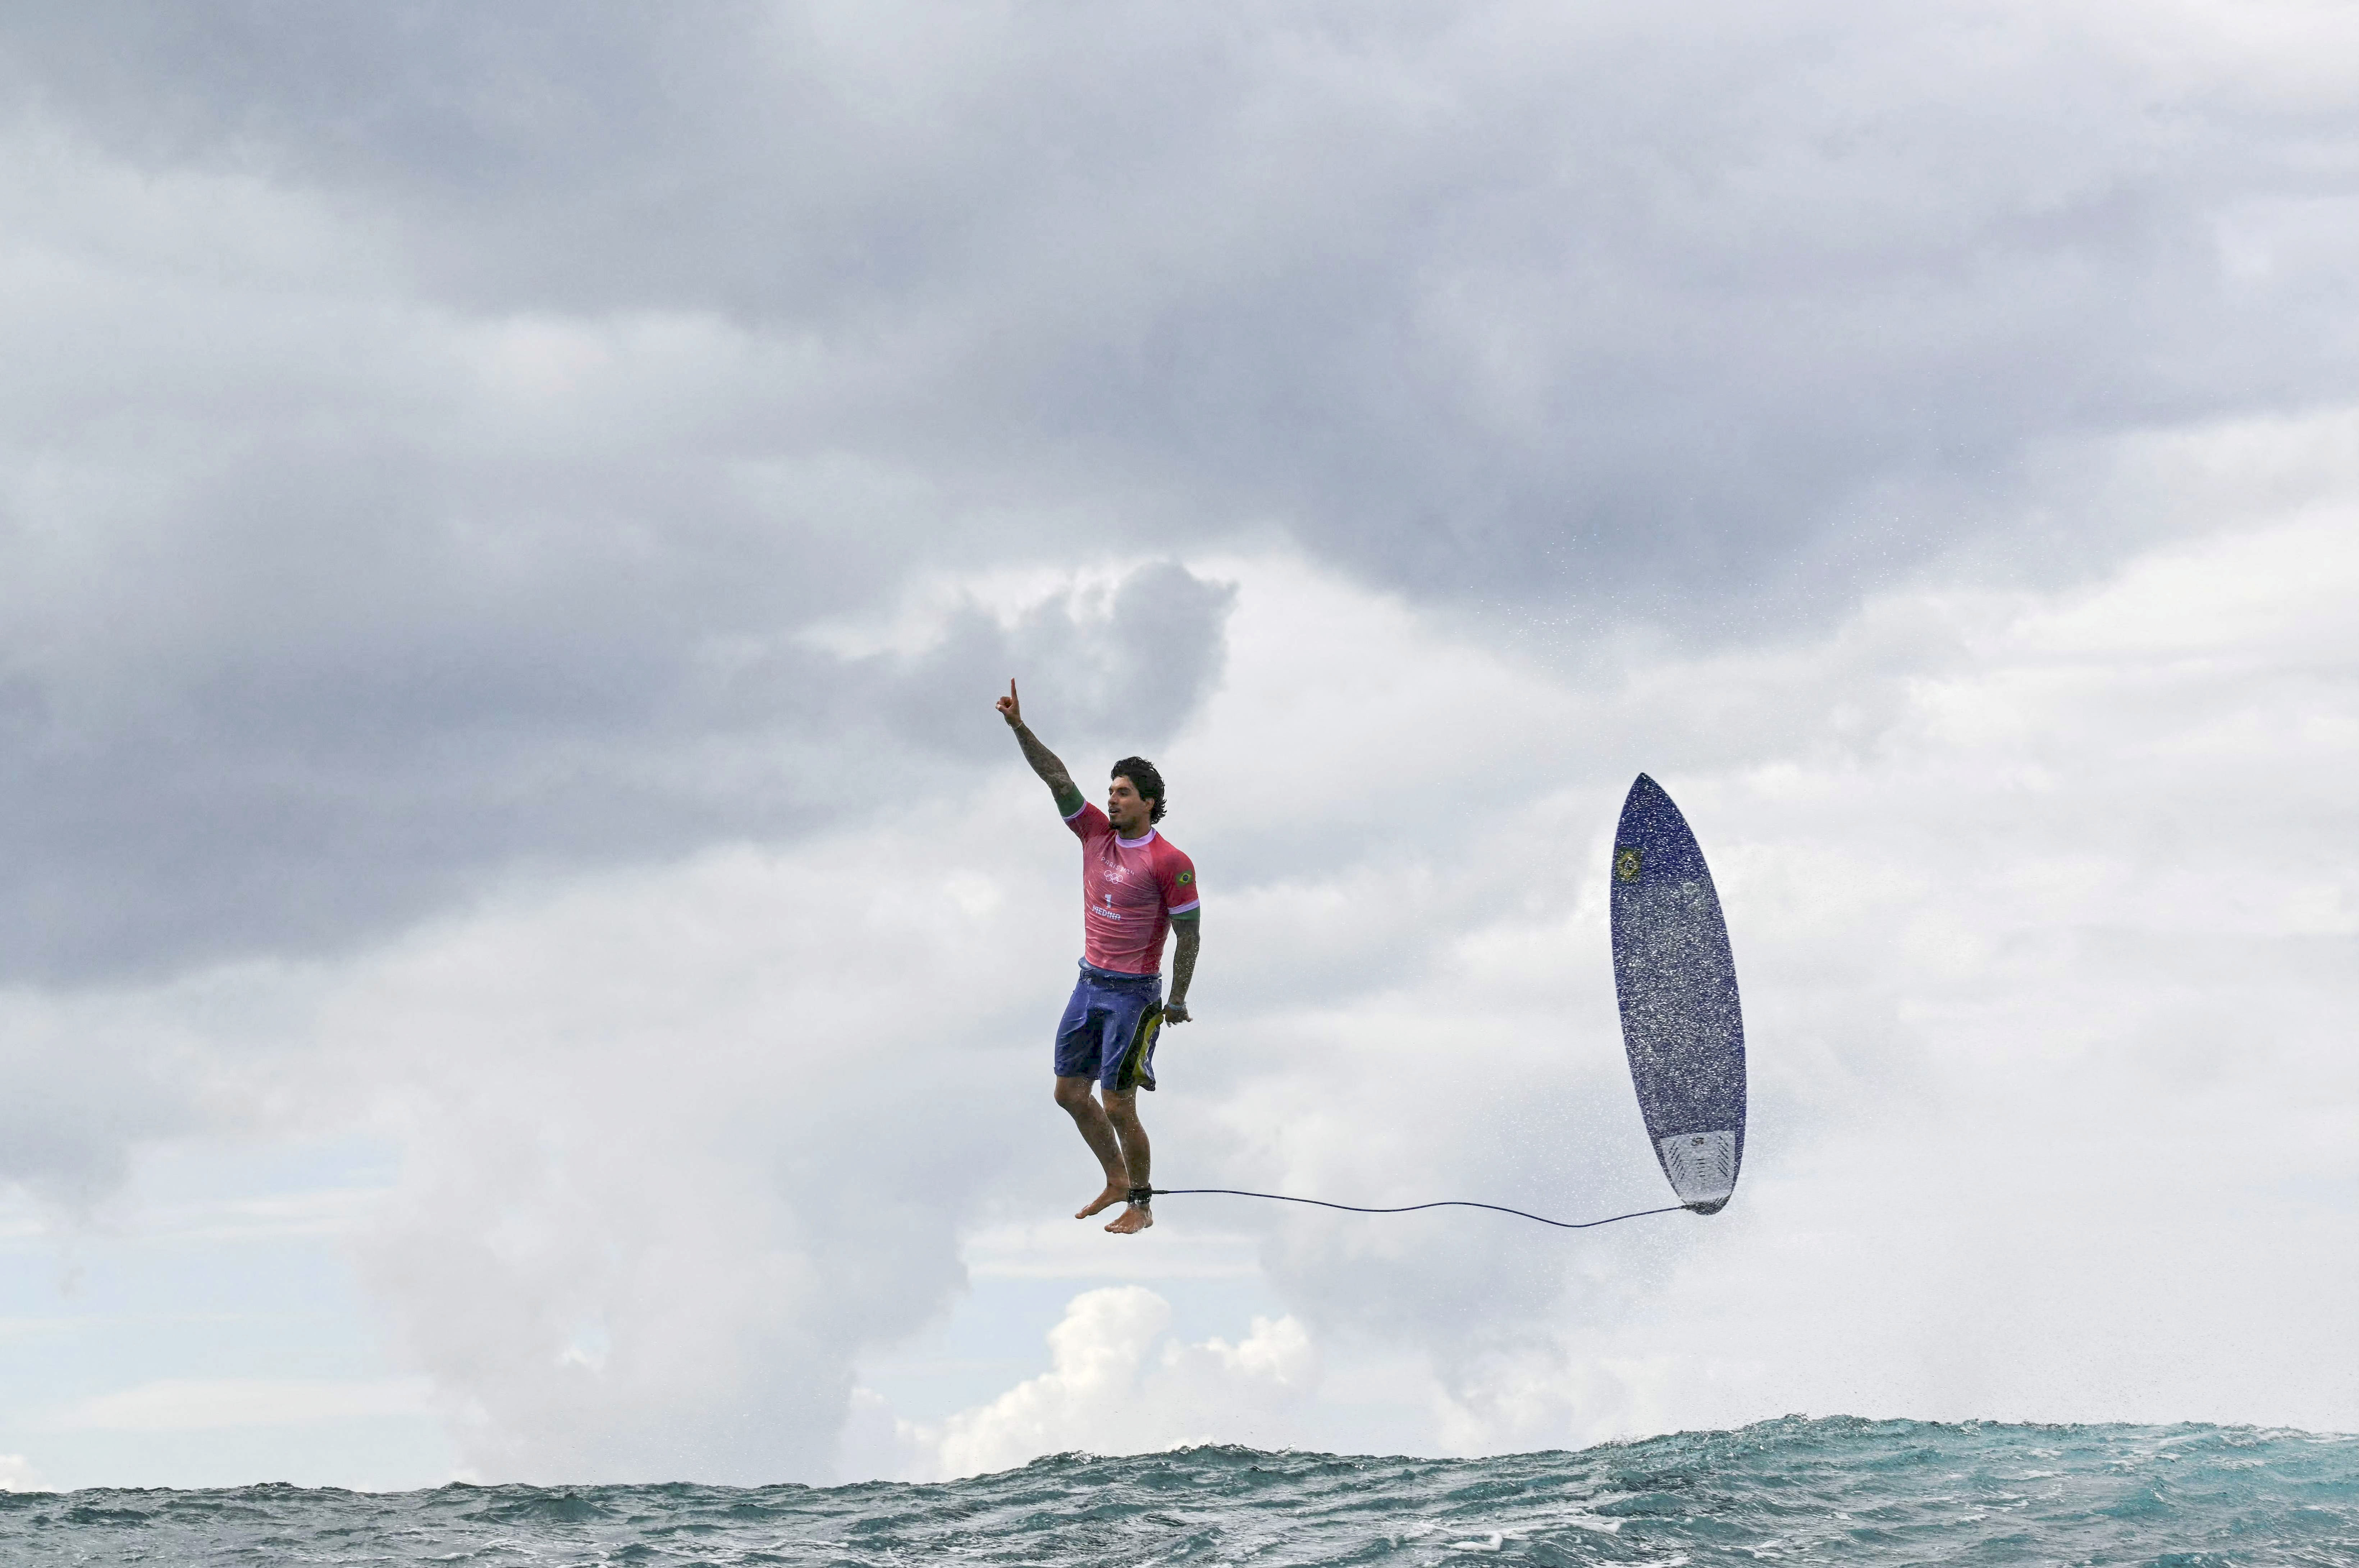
1135, 887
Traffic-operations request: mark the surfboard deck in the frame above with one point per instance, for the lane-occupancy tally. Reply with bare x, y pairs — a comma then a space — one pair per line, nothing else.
1675, 980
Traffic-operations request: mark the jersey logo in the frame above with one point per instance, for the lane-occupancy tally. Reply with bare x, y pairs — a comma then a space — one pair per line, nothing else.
1186, 878
1625, 863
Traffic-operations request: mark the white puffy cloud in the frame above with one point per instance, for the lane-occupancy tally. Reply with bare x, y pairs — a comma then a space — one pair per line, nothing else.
1119, 1384
2021, 1079
2039, 902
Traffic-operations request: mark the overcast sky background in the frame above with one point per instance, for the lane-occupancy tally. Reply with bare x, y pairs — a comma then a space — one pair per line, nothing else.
525, 952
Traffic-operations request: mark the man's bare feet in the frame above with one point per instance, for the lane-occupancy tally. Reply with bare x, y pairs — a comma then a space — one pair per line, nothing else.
1132, 1220
1115, 1193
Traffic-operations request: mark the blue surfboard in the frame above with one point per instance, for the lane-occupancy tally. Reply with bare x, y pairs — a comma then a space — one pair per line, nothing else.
1676, 981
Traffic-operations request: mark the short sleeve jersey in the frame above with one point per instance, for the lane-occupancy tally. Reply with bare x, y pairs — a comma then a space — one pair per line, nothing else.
1130, 889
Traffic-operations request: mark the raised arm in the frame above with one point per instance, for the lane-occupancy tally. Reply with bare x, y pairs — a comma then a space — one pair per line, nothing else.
1044, 761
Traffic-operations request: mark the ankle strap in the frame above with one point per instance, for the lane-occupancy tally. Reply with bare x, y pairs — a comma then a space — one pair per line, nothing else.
1141, 1197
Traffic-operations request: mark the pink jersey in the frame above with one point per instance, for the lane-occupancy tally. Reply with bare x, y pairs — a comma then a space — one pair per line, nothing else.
1130, 889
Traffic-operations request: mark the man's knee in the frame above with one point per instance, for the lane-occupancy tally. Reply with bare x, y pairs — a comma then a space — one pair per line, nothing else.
1072, 1093
1123, 1108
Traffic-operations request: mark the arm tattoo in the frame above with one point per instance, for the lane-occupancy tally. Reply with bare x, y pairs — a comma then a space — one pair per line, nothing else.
1183, 960
1051, 771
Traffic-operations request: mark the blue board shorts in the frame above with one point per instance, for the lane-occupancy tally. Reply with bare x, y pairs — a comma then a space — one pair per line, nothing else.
1109, 1028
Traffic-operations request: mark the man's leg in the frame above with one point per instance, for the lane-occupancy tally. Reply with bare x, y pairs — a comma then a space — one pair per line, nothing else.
1122, 1111
1073, 1093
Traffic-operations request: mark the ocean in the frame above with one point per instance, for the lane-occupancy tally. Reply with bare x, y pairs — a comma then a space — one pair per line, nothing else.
1792, 1491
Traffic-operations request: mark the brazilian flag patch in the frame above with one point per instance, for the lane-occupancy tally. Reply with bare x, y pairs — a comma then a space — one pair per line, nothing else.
1186, 878
1626, 861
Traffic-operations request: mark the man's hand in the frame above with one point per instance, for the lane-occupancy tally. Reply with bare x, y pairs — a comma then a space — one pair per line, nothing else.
1175, 1012
1044, 761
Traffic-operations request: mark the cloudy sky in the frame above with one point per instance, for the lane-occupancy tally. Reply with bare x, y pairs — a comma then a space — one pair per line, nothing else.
525, 952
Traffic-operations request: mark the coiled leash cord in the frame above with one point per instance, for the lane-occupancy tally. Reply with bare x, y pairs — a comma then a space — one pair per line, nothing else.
1409, 1208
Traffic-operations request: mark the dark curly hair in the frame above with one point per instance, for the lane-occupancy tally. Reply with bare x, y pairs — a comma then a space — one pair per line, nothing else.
1145, 780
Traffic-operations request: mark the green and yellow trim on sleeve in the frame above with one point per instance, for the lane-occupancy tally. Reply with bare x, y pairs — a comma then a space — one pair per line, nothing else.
1070, 799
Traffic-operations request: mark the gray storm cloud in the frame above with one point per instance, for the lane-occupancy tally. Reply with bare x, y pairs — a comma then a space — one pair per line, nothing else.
353, 743
251, 801
429, 427
1521, 302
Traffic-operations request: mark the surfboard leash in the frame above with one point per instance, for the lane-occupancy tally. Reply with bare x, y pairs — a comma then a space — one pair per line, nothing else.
1412, 1208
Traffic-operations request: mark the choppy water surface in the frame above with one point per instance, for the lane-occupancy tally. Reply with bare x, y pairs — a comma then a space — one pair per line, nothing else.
1792, 1491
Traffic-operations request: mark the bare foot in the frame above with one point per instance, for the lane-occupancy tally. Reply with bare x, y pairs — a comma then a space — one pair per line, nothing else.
1132, 1220
1115, 1193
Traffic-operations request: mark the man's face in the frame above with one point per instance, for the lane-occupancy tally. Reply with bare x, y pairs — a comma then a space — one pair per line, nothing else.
1125, 808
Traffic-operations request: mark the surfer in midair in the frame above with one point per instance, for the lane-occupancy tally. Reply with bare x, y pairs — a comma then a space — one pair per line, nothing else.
1134, 888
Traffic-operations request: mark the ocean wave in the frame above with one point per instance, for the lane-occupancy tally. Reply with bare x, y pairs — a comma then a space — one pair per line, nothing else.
1796, 1491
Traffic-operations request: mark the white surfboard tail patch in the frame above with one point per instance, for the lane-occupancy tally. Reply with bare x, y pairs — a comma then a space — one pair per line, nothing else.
1702, 1166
